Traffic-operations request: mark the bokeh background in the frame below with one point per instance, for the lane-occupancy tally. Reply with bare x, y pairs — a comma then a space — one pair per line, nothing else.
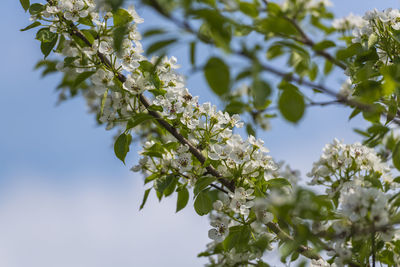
66, 200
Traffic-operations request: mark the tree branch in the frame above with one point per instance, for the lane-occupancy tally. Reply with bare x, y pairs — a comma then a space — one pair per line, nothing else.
286, 76
310, 43
145, 102
304, 250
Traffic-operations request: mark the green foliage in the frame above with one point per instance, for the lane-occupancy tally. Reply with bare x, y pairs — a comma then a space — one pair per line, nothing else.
255, 46
47, 47
261, 91
121, 17
165, 185
160, 45
250, 9
203, 203
193, 53
291, 103
145, 196
25, 4
278, 182
203, 183
138, 119
48, 40
121, 146
44, 35
396, 156
36, 8
31, 26
82, 77
238, 238
183, 198
276, 26
324, 45
114, 4
217, 75
119, 35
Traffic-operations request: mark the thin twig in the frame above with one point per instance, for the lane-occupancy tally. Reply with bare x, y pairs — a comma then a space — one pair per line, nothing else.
284, 75
308, 42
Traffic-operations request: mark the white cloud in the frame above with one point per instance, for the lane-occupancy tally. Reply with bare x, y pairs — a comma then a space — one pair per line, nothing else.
94, 223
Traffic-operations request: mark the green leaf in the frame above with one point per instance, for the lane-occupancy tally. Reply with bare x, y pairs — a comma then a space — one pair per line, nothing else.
355, 112
238, 238
250, 130
350, 51
250, 9
119, 35
203, 203
369, 91
121, 146
103, 102
274, 51
45, 35
36, 8
313, 72
138, 119
47, 47
161, 184
146, 66
151, 178
82, 77
277, 25
25, 4
193, 53
278, 182
91, 35
217, 75
171, 187
153, 154
325, 44
115, 4
261, 91
396, 156
31, 26
159, 45
145, 196
152, 32
262, 243
86, 21
202, 183
235, 107
372, 40
328, 67
183, 198
291, 105
121, 17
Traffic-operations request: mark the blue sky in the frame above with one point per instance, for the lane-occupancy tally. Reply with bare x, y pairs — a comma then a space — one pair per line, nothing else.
66, 200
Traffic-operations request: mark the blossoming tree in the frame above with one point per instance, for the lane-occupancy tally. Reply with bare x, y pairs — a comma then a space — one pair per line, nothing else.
347, 215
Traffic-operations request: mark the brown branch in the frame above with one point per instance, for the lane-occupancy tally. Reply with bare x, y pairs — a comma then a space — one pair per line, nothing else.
310, 104
286, 76
310, 43
342, 99
172, 130
304, 250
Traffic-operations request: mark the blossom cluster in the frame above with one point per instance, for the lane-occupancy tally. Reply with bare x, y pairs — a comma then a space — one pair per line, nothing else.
374, 28
209, 130
343, 163
354, 175
116, 78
